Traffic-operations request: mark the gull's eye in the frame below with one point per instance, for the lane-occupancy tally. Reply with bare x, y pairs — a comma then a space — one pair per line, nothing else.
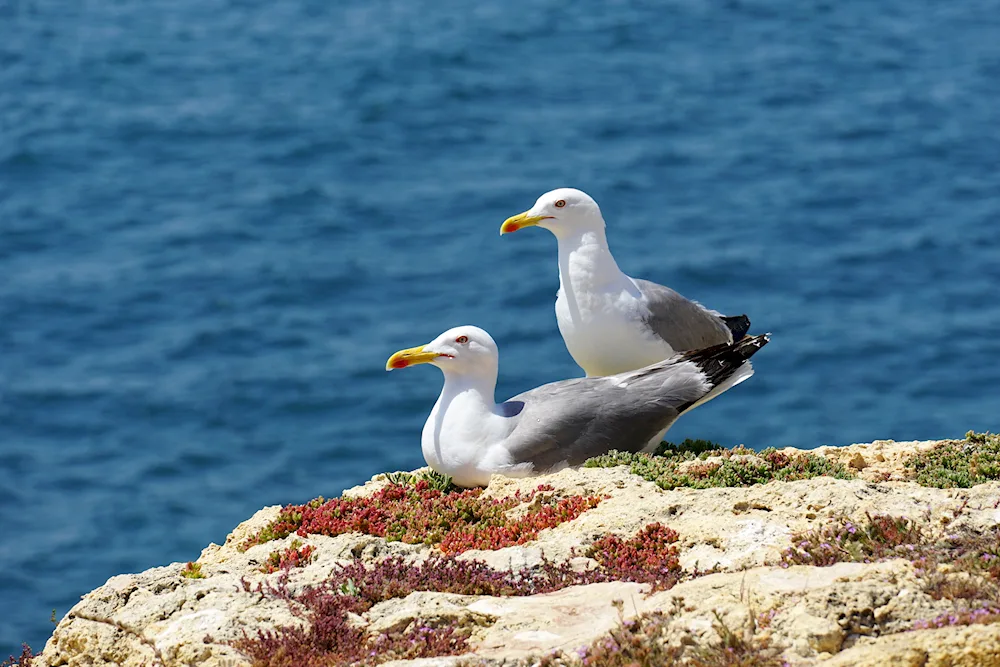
462, 339
560, 203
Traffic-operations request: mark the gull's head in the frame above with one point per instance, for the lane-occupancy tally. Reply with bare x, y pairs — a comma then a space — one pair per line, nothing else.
563, 212
464, 349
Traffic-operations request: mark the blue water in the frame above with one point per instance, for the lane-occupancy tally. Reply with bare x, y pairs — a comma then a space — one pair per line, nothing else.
219, 217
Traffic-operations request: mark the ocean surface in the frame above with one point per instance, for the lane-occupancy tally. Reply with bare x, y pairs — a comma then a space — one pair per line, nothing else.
218, 218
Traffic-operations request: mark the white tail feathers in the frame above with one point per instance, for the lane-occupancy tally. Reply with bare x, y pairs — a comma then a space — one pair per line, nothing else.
742, 373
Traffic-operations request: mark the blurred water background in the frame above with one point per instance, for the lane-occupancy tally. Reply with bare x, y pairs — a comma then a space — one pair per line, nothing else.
219, 217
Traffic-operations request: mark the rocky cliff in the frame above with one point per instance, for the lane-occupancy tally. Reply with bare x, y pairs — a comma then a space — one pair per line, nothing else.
878, 554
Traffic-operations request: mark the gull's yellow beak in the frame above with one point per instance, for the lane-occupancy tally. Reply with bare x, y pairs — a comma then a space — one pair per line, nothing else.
521, 220
410, 357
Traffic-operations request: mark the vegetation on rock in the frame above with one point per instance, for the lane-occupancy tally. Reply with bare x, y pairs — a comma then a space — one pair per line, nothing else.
988, 613
638, 641
700, 464
962, 566
434, 479
736, 648
419, 514
331, 638
26, 659
695, 446
643, 641
959, 463
192, 571
877, 538
648, 558
295, 555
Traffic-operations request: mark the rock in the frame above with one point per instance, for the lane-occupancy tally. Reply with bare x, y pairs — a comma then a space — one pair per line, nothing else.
815, 635
427, 608
885, 459
539, 623
844, 614
971, 646
216, 554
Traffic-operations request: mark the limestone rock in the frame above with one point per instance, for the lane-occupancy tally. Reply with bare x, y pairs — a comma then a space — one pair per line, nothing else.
883, 460
845, 614
970, 646
427, 608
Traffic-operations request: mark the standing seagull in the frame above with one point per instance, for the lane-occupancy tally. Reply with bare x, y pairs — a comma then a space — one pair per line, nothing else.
469, 436
610, 322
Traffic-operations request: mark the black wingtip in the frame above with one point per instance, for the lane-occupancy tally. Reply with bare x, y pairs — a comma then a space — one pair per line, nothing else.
738, 325
720, 361
748, 346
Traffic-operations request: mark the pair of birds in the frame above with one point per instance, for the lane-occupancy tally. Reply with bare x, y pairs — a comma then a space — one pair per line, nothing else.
649, 355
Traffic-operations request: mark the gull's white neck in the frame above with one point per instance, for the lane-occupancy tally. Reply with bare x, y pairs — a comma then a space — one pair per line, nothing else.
597, 305
474, 390
585, 261
465, 421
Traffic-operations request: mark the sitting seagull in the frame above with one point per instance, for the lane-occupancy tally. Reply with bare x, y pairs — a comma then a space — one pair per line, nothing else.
610, 322
470, 437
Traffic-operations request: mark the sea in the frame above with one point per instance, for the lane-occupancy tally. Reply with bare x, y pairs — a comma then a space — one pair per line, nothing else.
218, 218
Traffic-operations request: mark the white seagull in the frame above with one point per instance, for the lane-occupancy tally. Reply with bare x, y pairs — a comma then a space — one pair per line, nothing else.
610, 322
470, 436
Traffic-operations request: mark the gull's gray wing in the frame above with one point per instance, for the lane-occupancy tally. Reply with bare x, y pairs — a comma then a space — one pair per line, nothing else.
567, 422
685, 324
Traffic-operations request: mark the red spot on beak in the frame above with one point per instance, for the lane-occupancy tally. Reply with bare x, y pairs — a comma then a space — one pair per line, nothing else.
400, 363
512, 228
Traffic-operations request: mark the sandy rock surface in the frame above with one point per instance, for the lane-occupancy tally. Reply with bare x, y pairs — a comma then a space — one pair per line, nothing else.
846, 614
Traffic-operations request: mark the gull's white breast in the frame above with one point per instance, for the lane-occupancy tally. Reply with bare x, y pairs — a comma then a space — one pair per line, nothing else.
605, 331
463, 439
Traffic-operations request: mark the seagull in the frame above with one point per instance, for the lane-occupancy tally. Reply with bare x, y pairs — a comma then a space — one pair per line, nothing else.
469, 436
612, 323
